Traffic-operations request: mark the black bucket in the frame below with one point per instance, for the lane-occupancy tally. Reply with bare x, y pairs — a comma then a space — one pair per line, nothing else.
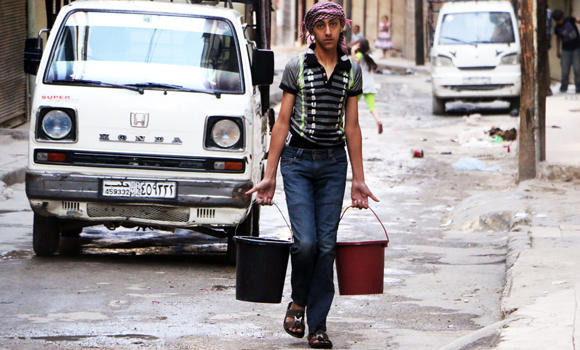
261, 268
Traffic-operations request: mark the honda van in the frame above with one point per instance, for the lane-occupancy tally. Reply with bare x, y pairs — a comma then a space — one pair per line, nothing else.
476, 54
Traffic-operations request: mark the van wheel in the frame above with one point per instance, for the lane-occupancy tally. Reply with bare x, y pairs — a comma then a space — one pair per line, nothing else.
245, 228
514, 104
45, 235
70, 242
438, 106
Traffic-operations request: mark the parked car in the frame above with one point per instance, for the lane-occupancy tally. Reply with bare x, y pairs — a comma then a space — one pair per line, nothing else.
146, 114
476, 54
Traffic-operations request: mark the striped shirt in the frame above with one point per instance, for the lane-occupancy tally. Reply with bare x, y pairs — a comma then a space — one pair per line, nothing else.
317, 119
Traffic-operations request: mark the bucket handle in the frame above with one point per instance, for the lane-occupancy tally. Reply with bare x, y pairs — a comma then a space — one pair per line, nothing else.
282, 215
376, 216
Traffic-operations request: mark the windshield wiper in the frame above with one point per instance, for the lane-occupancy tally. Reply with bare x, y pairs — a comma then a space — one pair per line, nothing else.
99, 83
458, 40
173, 87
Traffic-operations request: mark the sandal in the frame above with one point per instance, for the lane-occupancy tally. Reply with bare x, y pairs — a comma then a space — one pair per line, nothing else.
380, 127
319, 340
298, 322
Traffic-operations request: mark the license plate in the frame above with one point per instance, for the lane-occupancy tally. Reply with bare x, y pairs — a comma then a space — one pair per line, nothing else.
139, 189
476, 80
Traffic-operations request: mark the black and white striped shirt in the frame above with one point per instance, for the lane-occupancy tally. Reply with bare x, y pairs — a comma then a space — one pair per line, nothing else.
317, 119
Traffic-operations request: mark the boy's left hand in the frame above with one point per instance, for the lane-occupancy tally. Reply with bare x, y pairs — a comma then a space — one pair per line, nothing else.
360, 194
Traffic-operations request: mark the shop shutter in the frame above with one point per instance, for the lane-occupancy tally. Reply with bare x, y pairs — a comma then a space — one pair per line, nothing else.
12, 77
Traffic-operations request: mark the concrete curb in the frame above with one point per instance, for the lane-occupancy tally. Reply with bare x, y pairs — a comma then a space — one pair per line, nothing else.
17, 134
487, 331
13, 176
558, 172
398, 69
518, 241
13, 166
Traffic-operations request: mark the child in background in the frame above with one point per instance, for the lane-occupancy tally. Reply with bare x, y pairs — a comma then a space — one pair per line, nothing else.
360, 53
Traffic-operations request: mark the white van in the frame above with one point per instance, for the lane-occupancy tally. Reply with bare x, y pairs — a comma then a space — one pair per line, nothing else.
146, 114
476, 54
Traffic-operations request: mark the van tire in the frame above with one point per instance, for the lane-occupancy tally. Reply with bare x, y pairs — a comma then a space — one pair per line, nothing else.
245, 228
70, 242
45, 235
438, 106
514, 103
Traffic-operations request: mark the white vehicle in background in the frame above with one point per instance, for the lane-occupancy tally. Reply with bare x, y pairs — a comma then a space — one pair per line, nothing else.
146, 114
476, 54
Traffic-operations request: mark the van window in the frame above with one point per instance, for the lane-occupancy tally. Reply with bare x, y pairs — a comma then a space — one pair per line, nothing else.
476, 28
131, 48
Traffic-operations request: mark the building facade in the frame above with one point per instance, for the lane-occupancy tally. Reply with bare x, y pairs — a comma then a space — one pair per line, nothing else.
366, 13
13, 31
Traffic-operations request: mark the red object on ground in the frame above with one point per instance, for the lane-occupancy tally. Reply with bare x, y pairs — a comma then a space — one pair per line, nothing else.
417, 153
360, 265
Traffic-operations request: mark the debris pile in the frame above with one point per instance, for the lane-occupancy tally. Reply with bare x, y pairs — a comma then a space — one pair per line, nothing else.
505, 135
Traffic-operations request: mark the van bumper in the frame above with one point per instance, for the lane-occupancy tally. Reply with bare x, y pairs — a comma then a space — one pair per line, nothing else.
452, 83
198, 201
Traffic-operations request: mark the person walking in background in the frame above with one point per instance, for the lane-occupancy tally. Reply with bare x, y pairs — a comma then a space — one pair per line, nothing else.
318, 114
360, 53
547, 75
567, 47
431, 23
383, 41
356, 36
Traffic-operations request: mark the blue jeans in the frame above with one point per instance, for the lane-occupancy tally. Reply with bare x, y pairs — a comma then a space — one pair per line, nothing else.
570, 58
314, 182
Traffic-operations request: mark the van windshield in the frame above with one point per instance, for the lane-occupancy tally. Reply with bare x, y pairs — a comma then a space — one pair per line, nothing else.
148, 50
476, 28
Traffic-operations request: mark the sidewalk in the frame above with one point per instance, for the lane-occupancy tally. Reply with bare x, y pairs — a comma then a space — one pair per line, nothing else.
13, 155
542, 289
401, 65
562, 142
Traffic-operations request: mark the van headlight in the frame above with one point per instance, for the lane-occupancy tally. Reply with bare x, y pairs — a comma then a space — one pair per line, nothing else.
224, 133
443, 61
510, 59
56, 124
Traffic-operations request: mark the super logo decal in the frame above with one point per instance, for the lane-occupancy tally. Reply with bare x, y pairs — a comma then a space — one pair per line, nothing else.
56, 98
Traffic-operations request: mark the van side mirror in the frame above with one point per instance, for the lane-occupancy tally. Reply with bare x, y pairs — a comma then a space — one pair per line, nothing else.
32, 55
262, 67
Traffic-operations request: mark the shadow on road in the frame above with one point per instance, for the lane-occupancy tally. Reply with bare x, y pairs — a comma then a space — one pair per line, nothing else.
143, 247
460, 109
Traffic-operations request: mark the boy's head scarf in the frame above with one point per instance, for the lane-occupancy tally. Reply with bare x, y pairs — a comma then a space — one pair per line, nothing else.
321, 11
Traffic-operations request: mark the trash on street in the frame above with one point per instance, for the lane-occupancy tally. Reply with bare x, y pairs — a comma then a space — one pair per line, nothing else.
468, 163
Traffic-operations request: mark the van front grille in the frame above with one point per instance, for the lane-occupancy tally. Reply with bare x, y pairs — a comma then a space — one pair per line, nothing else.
68, 205
149, 212
485, 87
204, 213
138, 161
477, 68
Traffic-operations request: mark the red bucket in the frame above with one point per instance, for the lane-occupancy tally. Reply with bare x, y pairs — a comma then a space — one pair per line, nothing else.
360, 265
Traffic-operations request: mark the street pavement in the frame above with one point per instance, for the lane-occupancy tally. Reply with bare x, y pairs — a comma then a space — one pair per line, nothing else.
540, 300
539, 305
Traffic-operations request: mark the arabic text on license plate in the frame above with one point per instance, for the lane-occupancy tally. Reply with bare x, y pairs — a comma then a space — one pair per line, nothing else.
477, 80
139, 189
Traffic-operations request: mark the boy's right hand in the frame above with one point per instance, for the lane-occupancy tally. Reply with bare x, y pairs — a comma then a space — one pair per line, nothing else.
265, 189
